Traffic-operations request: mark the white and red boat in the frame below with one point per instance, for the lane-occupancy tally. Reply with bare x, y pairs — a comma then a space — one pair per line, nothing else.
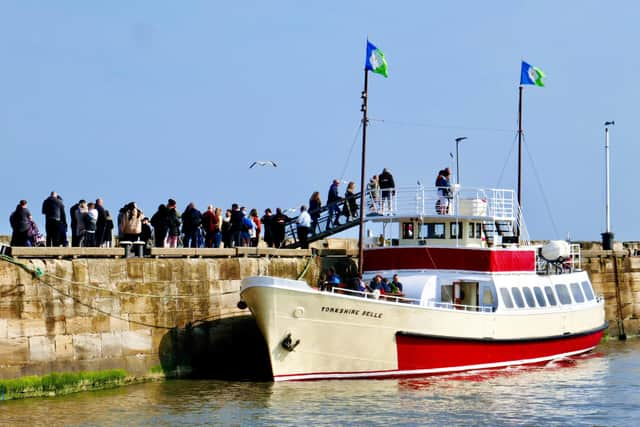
476, 295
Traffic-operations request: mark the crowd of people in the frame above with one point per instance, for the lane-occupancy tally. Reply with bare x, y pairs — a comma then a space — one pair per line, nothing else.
91, 225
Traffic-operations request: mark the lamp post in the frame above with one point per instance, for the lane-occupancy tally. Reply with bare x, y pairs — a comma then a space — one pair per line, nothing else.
458, 140
607, 236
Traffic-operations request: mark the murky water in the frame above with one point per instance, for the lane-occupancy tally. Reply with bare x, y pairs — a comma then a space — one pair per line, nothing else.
602, 388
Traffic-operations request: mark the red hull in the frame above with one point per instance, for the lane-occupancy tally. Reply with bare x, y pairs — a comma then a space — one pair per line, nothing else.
418, 352
426, 355
425, 258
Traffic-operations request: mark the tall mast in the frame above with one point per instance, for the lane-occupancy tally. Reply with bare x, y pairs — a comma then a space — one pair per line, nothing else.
607, 236
519, 159
362, 171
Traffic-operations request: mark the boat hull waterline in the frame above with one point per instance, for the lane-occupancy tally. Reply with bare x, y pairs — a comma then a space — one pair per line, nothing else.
334, 336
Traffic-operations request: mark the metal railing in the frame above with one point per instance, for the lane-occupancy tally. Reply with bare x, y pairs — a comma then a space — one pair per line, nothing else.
414, 301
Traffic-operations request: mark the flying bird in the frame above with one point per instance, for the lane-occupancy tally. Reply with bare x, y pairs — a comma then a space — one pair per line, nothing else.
264, 163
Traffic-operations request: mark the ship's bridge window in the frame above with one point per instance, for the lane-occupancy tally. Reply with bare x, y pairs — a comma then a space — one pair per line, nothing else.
528, 297
563, 294
577, 293
475, 230
587, 290
506, 297
548, 290
539, 296
434, 230
407, 230
517, 297
455, 230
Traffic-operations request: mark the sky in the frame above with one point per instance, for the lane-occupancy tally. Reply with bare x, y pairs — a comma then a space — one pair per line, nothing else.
146, 100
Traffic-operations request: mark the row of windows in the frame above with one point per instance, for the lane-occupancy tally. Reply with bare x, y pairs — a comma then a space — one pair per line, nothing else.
525, 295
437, 230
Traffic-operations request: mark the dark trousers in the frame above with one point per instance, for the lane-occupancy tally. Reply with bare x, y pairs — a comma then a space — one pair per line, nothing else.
52, 226
303, 236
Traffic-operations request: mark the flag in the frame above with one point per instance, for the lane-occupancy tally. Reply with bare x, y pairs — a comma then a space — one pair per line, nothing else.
530, 75
375, 60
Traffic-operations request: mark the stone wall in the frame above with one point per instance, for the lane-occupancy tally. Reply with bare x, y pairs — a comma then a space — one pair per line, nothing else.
104, 313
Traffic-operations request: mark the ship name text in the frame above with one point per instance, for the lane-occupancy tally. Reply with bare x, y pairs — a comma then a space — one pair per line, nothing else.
351, 311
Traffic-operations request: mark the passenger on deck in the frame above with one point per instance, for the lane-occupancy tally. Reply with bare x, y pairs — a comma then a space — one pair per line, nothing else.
444, 191
387, 187
378, 284
333, 279
373, 188
395, 285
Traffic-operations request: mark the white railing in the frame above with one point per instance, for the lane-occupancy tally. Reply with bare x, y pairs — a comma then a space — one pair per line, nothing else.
421, 201
404, 300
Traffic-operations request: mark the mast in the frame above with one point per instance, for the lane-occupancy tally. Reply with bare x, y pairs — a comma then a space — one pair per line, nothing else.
519, 160
363, 108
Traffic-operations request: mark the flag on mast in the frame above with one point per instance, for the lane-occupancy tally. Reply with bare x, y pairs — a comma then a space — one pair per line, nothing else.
530, 75
375, 60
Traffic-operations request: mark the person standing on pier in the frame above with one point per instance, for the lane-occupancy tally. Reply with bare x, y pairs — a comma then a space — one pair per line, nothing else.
20, 220
304, 224
101, 223
53, 211
160, 224
277, 227
266, 224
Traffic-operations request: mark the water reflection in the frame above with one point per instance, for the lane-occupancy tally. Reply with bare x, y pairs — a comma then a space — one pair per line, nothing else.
597, 389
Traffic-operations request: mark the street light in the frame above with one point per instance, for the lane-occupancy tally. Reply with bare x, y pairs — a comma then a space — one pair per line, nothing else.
607, 236
458, 140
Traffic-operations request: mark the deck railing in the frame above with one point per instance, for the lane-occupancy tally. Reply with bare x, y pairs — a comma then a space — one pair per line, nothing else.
405, 300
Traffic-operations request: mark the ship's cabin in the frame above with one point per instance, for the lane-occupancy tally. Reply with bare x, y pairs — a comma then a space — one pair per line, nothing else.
473, 218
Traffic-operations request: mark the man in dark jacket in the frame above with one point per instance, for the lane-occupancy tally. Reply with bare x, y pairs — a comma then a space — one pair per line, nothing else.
277, 227
160, 223
266, 226
191, 220
101, 223
19, 221
236, 224
387, 188
53, 211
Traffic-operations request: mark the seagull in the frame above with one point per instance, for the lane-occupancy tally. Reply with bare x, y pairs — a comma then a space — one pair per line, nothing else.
264, 163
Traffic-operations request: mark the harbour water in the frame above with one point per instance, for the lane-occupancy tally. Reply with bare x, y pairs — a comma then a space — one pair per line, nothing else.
602, 388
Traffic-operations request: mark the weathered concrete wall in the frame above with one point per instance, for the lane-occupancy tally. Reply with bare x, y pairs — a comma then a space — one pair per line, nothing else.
97, 313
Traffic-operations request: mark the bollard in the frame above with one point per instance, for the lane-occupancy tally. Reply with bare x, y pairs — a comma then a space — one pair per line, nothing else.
127, 247
138, 249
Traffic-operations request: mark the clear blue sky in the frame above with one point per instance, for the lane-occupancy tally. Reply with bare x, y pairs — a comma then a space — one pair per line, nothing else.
145, 100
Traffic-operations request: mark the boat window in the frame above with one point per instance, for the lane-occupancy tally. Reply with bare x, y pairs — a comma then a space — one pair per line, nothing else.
455, 230
471, 228
435, 230
478, 230
528, 297
506, 297
563, 294
587, 290
407, 230
487, 297
446, 293
539, 296
517, 297
548, 290
577, 293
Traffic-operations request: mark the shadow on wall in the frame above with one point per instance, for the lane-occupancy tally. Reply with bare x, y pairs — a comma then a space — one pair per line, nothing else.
226, 349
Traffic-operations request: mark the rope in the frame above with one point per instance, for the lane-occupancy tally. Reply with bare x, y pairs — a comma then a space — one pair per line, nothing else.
306, 267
